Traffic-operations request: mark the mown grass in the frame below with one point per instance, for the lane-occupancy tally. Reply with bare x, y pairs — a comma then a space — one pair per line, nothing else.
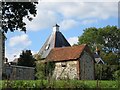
59, 84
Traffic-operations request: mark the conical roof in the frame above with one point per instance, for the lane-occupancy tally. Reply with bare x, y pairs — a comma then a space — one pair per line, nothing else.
56, 39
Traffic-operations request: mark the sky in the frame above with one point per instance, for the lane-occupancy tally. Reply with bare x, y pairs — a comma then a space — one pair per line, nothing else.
72, 17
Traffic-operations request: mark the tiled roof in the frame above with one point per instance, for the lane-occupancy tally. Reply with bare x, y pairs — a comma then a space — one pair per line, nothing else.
66, 53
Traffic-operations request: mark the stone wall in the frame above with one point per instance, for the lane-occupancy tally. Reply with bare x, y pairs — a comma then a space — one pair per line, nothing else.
19, 72
86, 67
65, 70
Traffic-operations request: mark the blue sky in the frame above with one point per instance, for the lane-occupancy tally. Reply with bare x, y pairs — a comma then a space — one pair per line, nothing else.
72, 17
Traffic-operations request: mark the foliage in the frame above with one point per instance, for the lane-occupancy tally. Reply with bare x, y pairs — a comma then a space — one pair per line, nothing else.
26, 59
107, 39
49, 68
111, 58
59, 84
116, 75
106, 72
40, 70
13, 14
44, 70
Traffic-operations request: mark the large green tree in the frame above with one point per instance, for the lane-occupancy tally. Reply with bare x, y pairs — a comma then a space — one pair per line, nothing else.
107, 39
26, 59
13, 14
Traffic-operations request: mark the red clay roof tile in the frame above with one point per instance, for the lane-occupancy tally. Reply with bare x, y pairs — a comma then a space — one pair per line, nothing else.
66, 53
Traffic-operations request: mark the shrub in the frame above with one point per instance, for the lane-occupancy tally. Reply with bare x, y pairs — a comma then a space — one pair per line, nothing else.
116, 74
40, 70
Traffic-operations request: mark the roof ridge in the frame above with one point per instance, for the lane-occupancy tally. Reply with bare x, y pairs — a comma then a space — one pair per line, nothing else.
70, 46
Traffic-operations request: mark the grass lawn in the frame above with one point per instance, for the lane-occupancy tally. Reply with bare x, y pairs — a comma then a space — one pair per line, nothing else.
60, 84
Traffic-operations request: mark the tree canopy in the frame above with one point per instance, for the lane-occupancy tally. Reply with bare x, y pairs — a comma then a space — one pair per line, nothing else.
13, 14
26, 59
107, 39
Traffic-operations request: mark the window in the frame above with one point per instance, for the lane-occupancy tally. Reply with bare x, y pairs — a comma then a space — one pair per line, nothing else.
47, 46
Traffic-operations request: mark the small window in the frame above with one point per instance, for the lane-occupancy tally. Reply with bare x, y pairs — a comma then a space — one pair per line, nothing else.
63, 64
47, 46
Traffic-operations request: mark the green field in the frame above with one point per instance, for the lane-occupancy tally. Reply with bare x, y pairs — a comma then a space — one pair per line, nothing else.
60, 84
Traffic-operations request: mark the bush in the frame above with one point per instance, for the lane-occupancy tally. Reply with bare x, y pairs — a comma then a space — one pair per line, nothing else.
40, 71
116, 75
105, 72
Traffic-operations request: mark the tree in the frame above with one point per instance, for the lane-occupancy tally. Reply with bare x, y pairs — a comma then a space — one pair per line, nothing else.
13, 14
40, 67
40, 70
110, 36
107, 39
111, 58
44, 69
106, 72
89, 37
26, 59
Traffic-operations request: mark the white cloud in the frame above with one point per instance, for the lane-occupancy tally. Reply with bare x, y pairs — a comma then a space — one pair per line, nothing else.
73, 40
101, 10
21, 40
50, 13
68, 24
89, 22
46, 17
15, 46
79, 0
12, 53
44, 20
